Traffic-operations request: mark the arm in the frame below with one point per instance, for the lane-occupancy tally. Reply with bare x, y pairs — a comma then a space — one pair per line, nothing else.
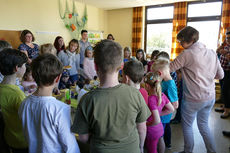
84, 138
175, 105
66, 138
167, 109
156, 118
141, 128
178, 63
220, 71
145, 68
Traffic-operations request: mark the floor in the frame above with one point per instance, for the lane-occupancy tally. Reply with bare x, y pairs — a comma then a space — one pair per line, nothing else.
216, 125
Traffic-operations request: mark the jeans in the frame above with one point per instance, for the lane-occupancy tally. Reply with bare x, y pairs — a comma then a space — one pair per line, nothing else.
201, 110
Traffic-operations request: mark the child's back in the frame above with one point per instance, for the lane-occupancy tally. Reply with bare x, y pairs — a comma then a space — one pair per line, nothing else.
47, 125
46, 121
112, 115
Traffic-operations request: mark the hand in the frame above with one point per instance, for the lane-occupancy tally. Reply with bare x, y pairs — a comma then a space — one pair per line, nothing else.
29, 61
32, 86
142, 149
223, 52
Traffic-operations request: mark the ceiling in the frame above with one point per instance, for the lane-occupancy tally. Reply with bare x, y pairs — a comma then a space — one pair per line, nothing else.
118, 4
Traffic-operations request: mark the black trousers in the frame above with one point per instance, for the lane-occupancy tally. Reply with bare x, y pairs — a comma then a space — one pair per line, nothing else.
226, 89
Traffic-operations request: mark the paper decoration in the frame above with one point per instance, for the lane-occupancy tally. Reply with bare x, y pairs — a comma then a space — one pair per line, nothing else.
72, 20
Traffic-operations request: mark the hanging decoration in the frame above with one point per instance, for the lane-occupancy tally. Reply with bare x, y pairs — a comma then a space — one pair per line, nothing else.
72, 20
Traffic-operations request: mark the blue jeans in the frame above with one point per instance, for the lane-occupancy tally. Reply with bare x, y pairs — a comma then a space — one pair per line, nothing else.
201, 110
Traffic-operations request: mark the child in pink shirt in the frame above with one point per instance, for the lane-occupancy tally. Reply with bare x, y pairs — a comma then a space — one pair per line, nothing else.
88, 64
133, 73
158, 104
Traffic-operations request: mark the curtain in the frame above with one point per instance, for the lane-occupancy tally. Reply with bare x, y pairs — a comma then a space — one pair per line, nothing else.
137, 29
179, 22
225, 20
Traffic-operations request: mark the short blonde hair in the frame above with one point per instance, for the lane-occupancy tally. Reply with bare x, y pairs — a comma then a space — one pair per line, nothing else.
48, 48
160, 64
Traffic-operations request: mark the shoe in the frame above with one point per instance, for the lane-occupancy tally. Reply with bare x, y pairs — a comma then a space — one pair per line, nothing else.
169, 146
219, 109
218, 101
226, 133
175, 122
180, 152
225, 115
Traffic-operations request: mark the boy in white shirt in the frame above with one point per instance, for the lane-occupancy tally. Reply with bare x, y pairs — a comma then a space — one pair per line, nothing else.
46, 121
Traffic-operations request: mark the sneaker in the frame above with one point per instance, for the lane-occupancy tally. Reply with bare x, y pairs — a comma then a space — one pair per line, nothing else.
219, 109
175, 121
168, 146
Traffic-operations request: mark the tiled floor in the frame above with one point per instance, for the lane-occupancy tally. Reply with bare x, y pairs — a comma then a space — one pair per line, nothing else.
216, 125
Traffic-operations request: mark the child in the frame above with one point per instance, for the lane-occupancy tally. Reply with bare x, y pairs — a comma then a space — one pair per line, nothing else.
12, 65
153, 57
87, 85
140, 55
71, 57
59, 44
127, 54
48, 48
159, 105
114, 114
88, 64
64, 81
133, 73
46, 121
169, 88
3, 44
81, 91
28, 81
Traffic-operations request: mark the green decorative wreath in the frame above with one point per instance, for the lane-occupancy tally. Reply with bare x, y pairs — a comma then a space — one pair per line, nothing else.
72, 20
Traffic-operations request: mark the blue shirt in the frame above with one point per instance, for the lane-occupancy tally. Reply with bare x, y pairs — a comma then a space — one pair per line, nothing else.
83, 46
46, 125
169, 88
32, 52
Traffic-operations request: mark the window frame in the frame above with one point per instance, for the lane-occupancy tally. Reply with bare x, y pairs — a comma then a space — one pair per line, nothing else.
157, 21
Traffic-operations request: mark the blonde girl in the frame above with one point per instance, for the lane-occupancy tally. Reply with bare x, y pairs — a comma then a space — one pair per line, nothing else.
88, 63
71, 57
48, 48
158, 104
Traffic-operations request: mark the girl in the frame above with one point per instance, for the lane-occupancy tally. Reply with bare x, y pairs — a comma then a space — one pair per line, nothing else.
71, 58
59, 44
140, 55
28, 82
88, 64
158, 104
153, 57
127, 54
48, 48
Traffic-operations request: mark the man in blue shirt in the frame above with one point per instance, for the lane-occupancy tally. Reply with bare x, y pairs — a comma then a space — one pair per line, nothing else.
83, 45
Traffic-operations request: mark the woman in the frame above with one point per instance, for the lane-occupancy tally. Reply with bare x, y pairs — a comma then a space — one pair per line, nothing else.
110, 37
199, 67
59, 44
28, 47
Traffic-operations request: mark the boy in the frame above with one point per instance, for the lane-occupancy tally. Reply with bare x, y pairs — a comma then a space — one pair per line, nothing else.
12, 65
45, 120
133, 73
114, 114
169, 88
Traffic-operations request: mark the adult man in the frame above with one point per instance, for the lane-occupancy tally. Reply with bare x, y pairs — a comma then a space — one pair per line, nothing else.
83, 45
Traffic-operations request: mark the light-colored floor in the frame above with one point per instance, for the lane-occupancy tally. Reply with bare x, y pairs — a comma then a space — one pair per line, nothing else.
216, 125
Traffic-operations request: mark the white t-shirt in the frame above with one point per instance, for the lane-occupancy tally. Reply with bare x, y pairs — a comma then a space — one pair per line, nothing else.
46, 125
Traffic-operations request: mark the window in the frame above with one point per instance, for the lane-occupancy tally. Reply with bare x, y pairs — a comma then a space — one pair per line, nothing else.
159, 26
205, 17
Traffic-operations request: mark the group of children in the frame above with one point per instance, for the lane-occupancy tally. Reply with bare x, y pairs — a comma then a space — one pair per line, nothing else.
115, 117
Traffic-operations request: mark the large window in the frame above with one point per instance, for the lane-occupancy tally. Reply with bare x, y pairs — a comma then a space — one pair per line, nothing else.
205, 17
159, 28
